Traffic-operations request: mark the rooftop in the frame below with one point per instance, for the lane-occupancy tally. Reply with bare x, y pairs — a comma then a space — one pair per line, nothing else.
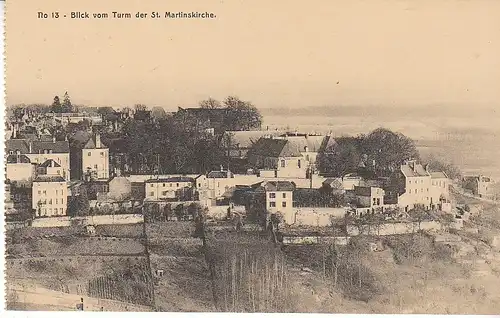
277, 185
270, 147
413, 169
220, 174
57, 146
438, 175
50, 163
47, 178
170, 179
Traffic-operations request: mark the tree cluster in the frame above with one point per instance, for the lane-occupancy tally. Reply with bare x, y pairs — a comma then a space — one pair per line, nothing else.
154, 213
64, 107
249, 277
452, 171
238, 115
379, 153
165, 146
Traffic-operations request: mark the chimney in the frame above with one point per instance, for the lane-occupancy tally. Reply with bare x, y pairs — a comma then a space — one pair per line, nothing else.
14, 132
98, 140
221, 168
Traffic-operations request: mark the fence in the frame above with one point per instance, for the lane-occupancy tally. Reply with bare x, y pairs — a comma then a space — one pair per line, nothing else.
394, 228
84, 220
317, 216
16, 225
304, 240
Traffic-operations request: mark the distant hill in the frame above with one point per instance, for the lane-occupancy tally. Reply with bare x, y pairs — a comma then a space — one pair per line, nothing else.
381, 111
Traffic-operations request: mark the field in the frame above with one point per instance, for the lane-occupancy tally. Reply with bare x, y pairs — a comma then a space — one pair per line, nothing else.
112, 265
185, 282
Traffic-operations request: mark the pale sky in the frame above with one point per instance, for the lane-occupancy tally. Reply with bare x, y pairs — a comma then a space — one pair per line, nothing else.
279, 53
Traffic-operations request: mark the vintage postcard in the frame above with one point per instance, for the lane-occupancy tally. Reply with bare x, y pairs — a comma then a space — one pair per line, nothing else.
336, 156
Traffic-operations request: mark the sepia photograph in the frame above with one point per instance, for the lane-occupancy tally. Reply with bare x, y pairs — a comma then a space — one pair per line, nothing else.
322, 156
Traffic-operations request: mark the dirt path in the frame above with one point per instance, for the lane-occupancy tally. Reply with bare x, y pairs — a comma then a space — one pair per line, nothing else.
45, 298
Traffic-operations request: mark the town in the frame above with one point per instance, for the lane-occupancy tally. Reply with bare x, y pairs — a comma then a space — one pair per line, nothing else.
144, 187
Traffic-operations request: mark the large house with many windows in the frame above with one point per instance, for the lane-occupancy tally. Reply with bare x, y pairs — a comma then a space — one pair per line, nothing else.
49, 196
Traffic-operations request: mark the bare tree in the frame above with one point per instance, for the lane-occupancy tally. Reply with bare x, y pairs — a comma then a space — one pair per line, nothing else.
210, 104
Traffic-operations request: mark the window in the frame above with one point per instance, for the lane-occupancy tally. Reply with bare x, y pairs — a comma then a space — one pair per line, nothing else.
284, 195
177, 185
298, 163
57, 201
409, 181
272, 195
283, 204
102, 154
95, 167
170, 184
44, 211
11, 152
283, 163
272, 204
421, 190
39, 192
50, 211
89, 154
427, 189
164, 193
152, 194
378, 201
50, 201
164, 185
409, 191
61, 210
374, 201
44, 192
59, 172
62, 201
152, 185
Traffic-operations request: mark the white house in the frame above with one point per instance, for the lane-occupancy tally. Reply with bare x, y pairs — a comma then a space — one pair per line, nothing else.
95, 158
168, 188
49, 196
19, 168
422, 187
39, 151
279, 198
219, 182
369, 197
278, 158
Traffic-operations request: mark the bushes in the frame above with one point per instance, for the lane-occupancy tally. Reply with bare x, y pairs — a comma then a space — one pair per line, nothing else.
409, 248
417, 247
345, 267
249, 277
132, 284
